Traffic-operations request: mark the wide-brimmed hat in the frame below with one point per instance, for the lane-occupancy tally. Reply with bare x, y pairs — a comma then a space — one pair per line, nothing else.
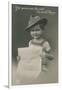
34, 20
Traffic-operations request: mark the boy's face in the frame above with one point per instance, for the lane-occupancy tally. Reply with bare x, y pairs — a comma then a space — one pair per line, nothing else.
36, 32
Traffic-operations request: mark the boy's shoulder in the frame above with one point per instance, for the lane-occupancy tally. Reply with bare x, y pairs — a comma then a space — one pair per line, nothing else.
45, 42
31, 41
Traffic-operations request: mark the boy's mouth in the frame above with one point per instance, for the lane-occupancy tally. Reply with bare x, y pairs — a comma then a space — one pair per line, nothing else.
36, 36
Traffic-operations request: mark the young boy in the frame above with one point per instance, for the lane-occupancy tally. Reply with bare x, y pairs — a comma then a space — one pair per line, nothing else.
36, 26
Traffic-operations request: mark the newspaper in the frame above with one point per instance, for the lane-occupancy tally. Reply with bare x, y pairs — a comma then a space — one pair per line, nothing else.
30, 62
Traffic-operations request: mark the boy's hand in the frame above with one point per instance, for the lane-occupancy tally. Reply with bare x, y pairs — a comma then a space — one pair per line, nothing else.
49, 56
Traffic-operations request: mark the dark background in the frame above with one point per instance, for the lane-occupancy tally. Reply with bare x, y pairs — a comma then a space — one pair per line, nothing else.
20, 18
20, 38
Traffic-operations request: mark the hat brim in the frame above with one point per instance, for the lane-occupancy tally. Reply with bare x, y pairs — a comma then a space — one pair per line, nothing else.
43, 22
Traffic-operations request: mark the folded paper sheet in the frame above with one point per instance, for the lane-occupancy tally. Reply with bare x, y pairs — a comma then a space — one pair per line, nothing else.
30, 64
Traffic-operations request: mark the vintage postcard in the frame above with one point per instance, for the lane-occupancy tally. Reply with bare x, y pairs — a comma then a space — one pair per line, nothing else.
34, 37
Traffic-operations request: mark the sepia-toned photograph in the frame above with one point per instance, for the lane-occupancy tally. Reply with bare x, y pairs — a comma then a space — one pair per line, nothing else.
34, 44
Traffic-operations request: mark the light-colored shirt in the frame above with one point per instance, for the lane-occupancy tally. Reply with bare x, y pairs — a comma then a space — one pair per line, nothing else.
42, 44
